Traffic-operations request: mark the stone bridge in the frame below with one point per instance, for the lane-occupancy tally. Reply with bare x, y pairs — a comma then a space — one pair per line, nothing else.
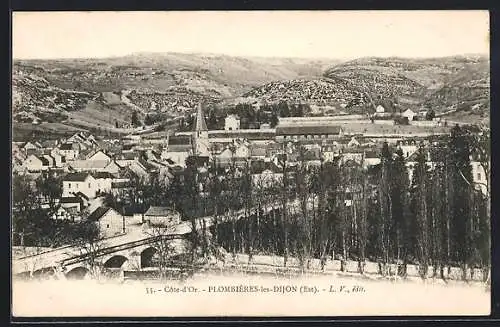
72, 262
133, 250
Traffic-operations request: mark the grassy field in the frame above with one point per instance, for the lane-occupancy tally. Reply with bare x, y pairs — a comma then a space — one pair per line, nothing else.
470, 117
26, 131
99, 115
359, 127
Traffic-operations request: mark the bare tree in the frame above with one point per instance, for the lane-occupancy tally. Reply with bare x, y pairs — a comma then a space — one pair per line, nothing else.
304, 219
283, 163
90, 243
162, 242
420, 206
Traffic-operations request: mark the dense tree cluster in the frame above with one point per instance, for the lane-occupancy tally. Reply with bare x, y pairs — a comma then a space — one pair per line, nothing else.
250, 116
33, 204
432, 215
435, 218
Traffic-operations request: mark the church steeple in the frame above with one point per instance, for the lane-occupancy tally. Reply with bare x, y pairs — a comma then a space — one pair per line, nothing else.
200, 120
200, 134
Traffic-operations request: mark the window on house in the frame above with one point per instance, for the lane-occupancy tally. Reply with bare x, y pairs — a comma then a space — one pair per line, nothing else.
69, 185
478, 176
76, 185
89, 185
107, 226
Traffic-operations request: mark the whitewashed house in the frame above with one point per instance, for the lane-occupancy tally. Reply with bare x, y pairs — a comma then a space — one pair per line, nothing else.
94, 166
162, 216
242, 151
408, 113
479, 177
30, 148
86, 184
104, 182
69, 150
34, 164
225, 155
99, 156
79, 182
232, 123
109, 221
112, 168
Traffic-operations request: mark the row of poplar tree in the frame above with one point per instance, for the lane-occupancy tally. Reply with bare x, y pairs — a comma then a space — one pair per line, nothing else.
434, 216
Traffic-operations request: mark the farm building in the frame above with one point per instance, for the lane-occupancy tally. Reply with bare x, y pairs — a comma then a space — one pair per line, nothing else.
109, 221
164, 216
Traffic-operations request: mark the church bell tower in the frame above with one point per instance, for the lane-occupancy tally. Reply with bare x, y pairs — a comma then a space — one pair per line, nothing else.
200, 135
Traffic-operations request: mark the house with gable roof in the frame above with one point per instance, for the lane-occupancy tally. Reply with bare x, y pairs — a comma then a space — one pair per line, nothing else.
108, 220
164, 216
99, 155
69, 150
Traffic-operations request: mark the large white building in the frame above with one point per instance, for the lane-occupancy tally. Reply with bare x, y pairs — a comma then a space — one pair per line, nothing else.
408, 113
86, 184
232, 123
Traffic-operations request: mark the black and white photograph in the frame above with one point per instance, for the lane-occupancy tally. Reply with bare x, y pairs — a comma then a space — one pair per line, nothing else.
250, 163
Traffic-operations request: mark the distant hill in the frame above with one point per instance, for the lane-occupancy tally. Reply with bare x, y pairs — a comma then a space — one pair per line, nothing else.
464, 89
324, 91
460, 82
70, 90
379, 85
228, 76
104, 93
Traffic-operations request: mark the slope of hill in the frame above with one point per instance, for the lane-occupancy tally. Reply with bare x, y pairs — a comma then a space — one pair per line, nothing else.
468, 89
413, 83
331, 92
171, 82
431, 73
33, 96
105, 92
227, 75
384, 84
435, 82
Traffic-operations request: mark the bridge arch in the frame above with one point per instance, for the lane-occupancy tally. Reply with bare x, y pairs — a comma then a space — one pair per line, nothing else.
44, 272
77, 273
115, 261
147, 256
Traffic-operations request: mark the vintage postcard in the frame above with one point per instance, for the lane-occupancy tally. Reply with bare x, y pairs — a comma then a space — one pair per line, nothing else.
263, 163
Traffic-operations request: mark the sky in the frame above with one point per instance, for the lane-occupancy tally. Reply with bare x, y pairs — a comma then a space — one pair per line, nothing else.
301, 34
